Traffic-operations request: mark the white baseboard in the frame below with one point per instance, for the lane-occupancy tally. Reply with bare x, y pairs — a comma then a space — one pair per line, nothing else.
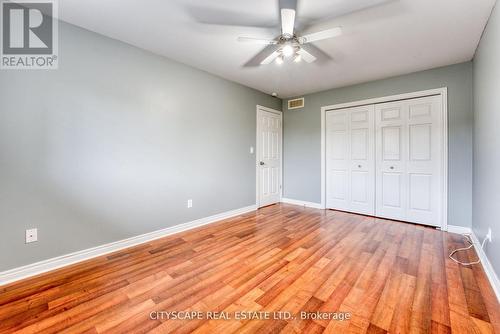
488, 268
302, 203
459, 229
16, 274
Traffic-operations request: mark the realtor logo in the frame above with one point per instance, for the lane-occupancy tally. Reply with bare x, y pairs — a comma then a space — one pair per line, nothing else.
29, 34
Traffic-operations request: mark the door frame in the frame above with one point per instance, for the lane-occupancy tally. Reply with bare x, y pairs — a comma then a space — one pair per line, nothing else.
443, 92
257, 153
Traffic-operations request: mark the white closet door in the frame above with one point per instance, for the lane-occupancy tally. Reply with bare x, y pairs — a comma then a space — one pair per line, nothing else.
337, 160
425, 161
391, 160
409, 144
362, 156
350, 160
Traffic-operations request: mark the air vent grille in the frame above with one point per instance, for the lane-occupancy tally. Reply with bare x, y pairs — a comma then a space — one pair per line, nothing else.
296, 103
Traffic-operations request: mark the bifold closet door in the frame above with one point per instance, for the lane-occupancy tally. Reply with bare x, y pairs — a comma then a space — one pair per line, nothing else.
409, 160
350, 160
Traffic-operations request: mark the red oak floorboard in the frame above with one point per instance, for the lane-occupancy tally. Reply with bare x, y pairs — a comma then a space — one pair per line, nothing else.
388, 277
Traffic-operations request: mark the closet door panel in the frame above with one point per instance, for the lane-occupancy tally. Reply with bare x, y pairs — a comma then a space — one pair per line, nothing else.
390, 160
425, 160
362, 160
409, 161
337, 160
350, 160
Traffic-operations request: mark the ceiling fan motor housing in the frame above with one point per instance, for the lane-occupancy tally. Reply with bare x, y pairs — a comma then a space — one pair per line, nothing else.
291, 41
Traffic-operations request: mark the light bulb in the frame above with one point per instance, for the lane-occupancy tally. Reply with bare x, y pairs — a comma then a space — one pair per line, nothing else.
298, 59
288, 50
279, 60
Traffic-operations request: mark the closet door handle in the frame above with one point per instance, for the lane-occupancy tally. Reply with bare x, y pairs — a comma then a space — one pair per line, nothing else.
392, 167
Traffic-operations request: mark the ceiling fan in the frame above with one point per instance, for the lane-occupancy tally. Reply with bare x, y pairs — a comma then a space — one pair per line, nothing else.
289, 44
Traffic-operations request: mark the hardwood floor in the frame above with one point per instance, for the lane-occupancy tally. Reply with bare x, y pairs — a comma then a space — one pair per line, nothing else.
389, 277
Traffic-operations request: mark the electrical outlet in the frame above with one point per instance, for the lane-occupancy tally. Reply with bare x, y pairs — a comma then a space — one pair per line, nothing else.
488, 236
251, 150
190, 203
31, 235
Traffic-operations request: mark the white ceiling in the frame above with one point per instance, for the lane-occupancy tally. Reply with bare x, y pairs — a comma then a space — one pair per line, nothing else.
382, 38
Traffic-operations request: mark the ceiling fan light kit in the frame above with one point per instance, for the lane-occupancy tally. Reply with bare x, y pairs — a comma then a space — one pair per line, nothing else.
288, 50
288, 44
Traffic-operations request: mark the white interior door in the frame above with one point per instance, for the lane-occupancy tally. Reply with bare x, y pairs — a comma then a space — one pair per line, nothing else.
350, 162
269, 129
409, 151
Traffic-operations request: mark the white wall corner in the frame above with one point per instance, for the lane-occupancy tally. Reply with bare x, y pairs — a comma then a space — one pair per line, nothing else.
485, 262
459, 229
41, 267
488, 268
302, 203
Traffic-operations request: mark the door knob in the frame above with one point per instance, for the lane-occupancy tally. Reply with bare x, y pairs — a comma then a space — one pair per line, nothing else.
392, 167
262, 163
359, 166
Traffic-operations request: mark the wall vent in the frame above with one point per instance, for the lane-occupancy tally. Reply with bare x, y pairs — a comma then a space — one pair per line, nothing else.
296, 103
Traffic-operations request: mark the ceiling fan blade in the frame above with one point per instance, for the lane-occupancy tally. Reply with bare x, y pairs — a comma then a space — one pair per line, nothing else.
269, 59
287, 9
256, 40
287, 21
307, 56
321, 35
256, 60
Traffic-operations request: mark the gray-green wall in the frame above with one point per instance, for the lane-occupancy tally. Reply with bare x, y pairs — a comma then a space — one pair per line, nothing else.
486, 192
113, 143
302, 134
